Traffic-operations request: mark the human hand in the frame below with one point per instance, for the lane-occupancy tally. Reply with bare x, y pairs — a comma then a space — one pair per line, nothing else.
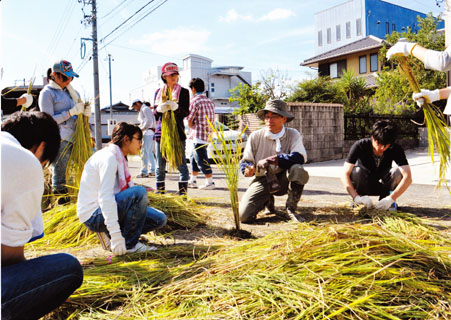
28, 100
385, 203
163, 107
365, 200
173, 105
77, 109
265, 163
118, 244
87, 111
400, 48
249, 171
426, 95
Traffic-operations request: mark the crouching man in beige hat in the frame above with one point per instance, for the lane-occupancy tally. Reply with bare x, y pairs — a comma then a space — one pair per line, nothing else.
269, 155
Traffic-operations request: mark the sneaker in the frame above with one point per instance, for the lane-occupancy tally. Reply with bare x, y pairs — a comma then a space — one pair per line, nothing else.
192, 184
141, 247
210, 186
142, 175
152, 174
104, 240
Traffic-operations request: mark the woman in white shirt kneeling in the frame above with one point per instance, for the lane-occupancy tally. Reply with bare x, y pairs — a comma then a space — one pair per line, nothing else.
108, 201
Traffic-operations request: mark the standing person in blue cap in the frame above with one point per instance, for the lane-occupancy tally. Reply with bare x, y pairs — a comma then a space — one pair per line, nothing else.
63, 103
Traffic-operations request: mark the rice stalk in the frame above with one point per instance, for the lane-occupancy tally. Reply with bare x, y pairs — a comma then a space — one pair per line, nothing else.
228, 161
170, 143
344, 271
438, 131
30, 86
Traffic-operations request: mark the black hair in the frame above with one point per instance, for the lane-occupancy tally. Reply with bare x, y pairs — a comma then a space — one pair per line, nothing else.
197, 84
384, 132
51, 77
31, 128
147, 103
122, 130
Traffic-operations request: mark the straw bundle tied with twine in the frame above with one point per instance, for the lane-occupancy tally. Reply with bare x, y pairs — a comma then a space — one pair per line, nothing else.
170, 144
388, 269
228, 161
438, 132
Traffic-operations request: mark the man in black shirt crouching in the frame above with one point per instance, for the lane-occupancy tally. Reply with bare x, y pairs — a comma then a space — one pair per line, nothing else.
368, 168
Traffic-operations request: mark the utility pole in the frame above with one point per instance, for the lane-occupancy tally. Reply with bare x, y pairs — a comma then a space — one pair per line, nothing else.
98, 121
111, 92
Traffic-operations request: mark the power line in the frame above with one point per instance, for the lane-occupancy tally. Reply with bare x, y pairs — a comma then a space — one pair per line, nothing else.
114, 9
127, 20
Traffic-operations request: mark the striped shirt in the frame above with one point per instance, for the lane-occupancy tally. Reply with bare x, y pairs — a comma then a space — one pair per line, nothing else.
200, 108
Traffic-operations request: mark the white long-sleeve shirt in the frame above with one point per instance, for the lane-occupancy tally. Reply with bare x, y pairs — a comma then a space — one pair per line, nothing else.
146, 120
22, 186
438, 60
98, 186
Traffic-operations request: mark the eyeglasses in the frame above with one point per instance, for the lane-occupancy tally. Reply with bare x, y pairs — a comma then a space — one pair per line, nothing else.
64, 77
272, 117
139, 139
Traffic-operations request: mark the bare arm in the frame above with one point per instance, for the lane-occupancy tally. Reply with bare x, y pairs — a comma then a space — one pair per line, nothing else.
405, 182
12, 255
346, 179
190, 123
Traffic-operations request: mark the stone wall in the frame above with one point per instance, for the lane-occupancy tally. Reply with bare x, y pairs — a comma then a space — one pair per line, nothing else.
322, 128
252, 122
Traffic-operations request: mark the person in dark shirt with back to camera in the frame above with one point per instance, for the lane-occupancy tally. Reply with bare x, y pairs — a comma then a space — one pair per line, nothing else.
368, 168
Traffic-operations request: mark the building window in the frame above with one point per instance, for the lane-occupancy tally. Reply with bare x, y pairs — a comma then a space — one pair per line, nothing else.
373, 62
387, 28
320, 38
333, 70
348, 30
212, 87
338, 31
329, 36
358, 27
393, 27
362, 64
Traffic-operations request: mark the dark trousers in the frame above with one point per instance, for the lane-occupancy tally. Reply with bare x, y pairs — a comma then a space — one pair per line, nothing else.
367, 184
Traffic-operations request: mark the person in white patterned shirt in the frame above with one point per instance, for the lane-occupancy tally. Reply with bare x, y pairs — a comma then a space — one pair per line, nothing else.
201, 108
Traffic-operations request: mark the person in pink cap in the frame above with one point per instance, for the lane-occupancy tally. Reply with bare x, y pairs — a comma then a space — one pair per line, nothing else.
170, 77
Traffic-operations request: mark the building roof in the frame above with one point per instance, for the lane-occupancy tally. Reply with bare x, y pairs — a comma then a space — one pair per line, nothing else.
367, 43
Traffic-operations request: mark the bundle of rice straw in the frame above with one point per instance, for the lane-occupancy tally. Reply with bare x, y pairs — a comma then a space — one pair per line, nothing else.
170, 144
438, 131
82, 145
228, 161
30, 85
385, 270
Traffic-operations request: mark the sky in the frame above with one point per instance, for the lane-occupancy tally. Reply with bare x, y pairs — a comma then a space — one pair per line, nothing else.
258, 35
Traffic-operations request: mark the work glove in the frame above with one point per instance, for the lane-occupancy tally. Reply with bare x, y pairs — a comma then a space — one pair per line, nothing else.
77, 109
118, 244
163, 107
28, 98
365, 200
425, 95
173, 105
87, 111
385, 203
265, 163
400, 48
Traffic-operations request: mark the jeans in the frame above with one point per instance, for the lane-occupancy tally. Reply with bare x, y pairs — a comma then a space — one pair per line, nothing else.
135, 217
148, 155
161, 166
59, 166
199, 157
33, 288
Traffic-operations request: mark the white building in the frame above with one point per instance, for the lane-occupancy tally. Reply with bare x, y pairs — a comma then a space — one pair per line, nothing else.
218, 80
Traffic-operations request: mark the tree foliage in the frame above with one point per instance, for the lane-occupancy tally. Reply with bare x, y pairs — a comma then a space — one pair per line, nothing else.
250, 98
393, 94
320, 89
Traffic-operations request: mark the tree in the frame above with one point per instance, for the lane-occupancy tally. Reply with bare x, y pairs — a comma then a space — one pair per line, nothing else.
355, 92
320, 89
275, 85
250, 98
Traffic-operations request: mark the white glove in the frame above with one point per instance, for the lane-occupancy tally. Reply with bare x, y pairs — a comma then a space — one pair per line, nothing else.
385, 203
87, 111
173, 105
28, 98
400, 48
425, 95
77, 109
163, 107
118, 244
365, 200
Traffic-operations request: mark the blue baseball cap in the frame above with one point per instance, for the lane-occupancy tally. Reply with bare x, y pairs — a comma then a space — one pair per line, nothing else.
64, 67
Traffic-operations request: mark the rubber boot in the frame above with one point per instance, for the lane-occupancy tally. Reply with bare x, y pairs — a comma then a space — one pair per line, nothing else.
270, 207
161, 188
183, 187
62, 195
294, 195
